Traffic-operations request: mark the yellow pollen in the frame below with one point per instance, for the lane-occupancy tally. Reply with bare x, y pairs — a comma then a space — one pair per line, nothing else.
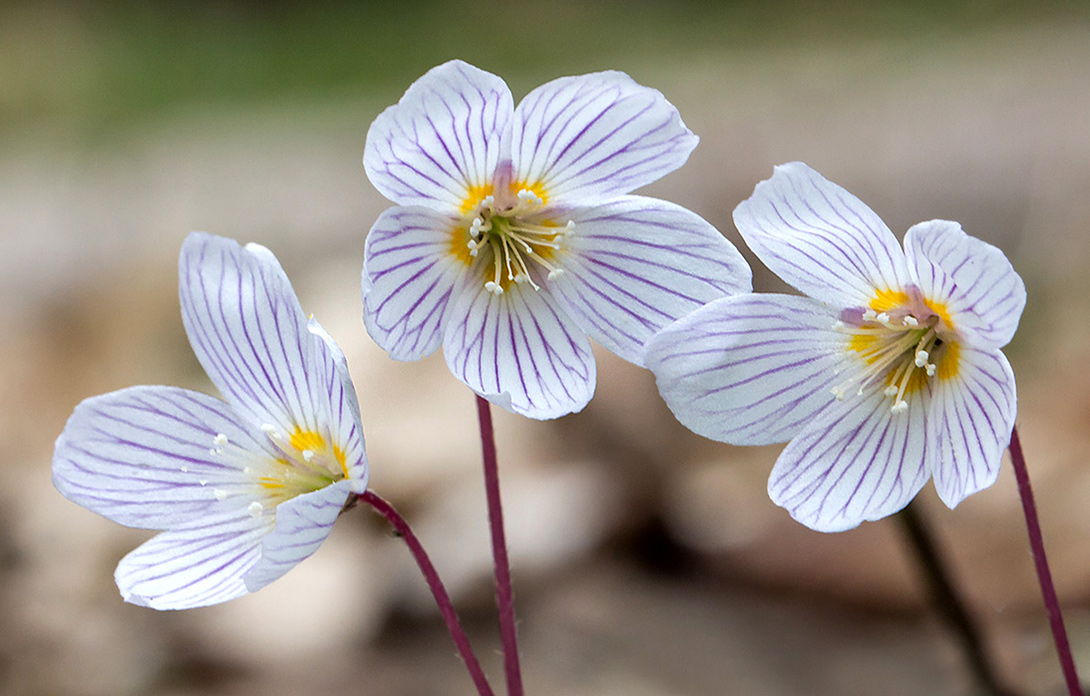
538, 188
948, 368
474, 196
940, 309
307, 440
885, 300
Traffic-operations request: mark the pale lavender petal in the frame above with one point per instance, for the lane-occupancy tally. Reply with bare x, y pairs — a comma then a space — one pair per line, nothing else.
196, 565
331, 381
410, 274
251, 336
597, 135
750, 369
820, 238
447, 134
972, 415
302, 524
143, 456
520, 351
980, 289
856, 461
635, 264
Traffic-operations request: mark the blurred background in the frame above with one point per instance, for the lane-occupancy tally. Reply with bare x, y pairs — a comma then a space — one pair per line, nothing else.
647, 561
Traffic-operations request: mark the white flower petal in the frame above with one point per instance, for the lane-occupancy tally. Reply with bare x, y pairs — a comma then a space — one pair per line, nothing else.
820, 238
302, 524
447, 134
196, 565
250, 334
520, 351
855, 462
410, 275
599, 134
142, 456
749, 369
635, 264
974, 280
972, 414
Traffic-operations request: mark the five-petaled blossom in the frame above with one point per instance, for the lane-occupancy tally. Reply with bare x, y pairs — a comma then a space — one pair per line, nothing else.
513, 238
244, 489
890, 372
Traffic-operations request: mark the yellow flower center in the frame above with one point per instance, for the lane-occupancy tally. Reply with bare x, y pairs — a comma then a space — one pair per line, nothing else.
508, 231
905, 340
306, 462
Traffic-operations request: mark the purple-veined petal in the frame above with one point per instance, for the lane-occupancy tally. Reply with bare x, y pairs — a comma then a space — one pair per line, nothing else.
970, 421
633, 265
142, 456
820, 238
250, 334
410, 274
749, 369
446, 136
302, 524
974, 280
331, 381
594, 135
520, 351
856, 461
195, 565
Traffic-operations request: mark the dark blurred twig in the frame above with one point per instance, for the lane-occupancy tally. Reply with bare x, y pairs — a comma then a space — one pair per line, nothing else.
949, 604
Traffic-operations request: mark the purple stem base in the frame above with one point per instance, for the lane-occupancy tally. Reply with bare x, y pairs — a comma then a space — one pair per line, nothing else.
1044, 575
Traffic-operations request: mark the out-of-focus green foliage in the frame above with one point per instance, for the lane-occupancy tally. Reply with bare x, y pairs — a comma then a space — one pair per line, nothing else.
92, 68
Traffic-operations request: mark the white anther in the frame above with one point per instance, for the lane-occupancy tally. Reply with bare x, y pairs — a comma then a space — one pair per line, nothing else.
521, 278
488, 200
869, 315
185, 469
882, 318
219, 440
931, 369
837, 392
270, 430
570, 227
839, 325
493, 287
247, 470
203, 482
528, 196
891, 390
911, 321
921, 358
899, 407
256, 509
555, 272
219, 493
308, 455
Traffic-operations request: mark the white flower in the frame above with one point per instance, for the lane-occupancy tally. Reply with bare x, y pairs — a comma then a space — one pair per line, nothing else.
890, 372
513, 237
244, 489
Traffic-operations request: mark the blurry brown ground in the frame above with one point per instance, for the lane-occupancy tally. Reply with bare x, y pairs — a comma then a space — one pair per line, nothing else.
648, 562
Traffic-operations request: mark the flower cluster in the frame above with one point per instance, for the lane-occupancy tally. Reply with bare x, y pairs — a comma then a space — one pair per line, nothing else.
514, 240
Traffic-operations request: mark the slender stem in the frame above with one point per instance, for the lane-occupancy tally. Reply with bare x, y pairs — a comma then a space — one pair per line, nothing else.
950, 605
504, 596
437, 589
1044, 575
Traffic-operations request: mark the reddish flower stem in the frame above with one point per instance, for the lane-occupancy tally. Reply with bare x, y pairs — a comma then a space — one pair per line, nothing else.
504, 596
446, 607
1044, 575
